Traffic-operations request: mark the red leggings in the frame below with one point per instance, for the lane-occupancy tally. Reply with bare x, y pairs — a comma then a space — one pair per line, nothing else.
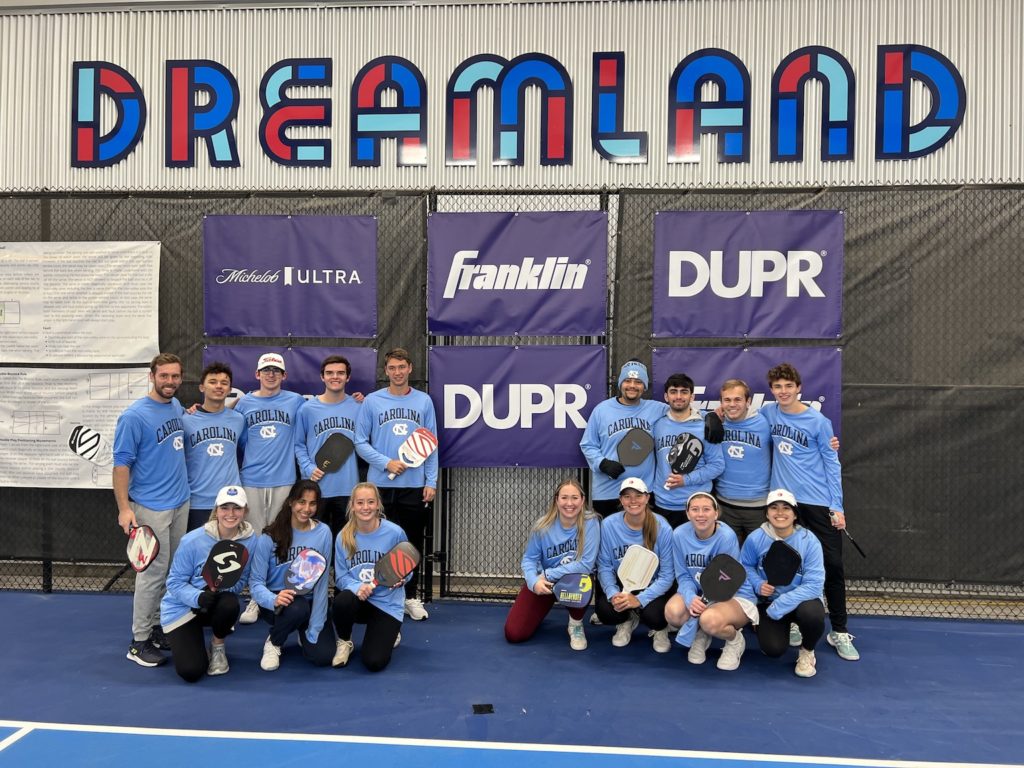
528, 611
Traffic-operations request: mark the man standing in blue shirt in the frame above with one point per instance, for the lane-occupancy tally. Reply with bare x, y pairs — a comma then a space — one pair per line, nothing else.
805, 464
212, 435
268, 448
386, 418
151, 488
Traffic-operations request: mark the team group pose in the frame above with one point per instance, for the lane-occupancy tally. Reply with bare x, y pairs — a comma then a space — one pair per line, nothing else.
681, 500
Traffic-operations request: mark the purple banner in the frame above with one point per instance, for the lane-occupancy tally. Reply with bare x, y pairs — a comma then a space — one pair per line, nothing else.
525, 274
307, 276
302, 366
821, 371
762, 274
515, 406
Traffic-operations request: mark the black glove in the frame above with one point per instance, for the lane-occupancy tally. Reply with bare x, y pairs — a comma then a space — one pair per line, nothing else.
714, 432
611, 468
206, 600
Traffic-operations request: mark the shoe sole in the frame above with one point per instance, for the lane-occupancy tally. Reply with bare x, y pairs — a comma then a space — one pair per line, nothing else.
212, 673
813, 673
142, 662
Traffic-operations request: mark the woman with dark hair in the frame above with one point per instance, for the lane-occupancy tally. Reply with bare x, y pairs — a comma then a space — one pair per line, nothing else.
294, 529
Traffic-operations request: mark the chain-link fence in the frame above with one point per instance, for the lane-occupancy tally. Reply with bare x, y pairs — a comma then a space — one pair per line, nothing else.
932, 370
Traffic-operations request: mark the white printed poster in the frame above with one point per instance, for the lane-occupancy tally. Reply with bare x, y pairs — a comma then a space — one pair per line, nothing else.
57, 425
79, 302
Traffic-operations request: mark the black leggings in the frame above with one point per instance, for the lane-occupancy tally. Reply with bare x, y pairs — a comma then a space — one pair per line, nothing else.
773, 634
652, 615
294, 617
188, 647
381, 628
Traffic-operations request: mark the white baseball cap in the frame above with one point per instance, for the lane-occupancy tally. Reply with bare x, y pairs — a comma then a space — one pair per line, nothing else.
633, 483
231, 494
781, 494
270, 360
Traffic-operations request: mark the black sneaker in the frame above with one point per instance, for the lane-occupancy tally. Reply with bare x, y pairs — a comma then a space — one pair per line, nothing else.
156, 637
145, 654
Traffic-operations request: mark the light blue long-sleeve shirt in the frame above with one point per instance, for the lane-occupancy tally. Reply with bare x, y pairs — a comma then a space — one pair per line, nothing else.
803, 462
552, 552
709, 465
808, 583
385, 421
317, 421
608, 424
616, 538
268, 442
747, 456
211, 453
352, 572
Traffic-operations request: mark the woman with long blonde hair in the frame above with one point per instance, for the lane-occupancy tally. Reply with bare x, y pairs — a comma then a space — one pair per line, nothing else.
563, 541
362, 541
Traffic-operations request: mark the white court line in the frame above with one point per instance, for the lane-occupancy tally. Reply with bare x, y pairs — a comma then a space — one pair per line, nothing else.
14, 737
490, 745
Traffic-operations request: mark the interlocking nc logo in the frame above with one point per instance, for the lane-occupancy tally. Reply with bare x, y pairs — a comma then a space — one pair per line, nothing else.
786, 448
179, 443
401, 429
215, 449
268, 432
366, 575
736, 451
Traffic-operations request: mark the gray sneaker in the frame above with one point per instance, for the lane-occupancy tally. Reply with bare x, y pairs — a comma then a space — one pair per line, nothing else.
145, 654
218, 660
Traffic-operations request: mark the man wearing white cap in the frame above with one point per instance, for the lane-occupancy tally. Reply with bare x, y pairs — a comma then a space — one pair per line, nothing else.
268, 463
608, 424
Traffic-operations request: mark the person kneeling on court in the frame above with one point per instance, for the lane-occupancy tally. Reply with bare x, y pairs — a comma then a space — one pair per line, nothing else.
563, 542
364, 539
647, 569
694, 545
790, 555
189, 604
280, 552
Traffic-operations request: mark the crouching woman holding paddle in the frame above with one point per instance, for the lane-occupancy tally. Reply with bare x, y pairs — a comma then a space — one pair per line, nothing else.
694, 546
202, 591
790, 555
293, 531
646, 570
563, 542
365, 538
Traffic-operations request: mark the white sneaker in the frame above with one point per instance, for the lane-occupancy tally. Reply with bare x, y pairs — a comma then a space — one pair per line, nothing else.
271, 657
661, 642
732, 652
250, 614
624, 631
595, 620
398, 640
795, 638
698, 652
218, 660
577, 637
414, 609
343, 649
805, 664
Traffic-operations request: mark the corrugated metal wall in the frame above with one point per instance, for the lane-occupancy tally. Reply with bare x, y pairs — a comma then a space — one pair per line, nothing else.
979, 36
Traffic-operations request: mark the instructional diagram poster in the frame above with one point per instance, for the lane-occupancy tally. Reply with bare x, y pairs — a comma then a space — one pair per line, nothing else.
57, 426
79, 302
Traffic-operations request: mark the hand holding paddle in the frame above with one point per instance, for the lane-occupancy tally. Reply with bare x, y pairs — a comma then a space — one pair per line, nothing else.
225, 564
143, 547
833, 515
416, 449
634, 447
333, 453
721, 579
574, 590
781, 564
684, 454
395, 564
636, 569
303, 574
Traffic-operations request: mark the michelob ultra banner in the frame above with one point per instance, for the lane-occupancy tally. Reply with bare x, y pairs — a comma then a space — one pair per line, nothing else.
758, 274
515, 406
525, 274
820, 368
310, 276
302, 366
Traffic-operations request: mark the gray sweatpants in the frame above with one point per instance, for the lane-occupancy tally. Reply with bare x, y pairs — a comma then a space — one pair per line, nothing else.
169, 526
264, 504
